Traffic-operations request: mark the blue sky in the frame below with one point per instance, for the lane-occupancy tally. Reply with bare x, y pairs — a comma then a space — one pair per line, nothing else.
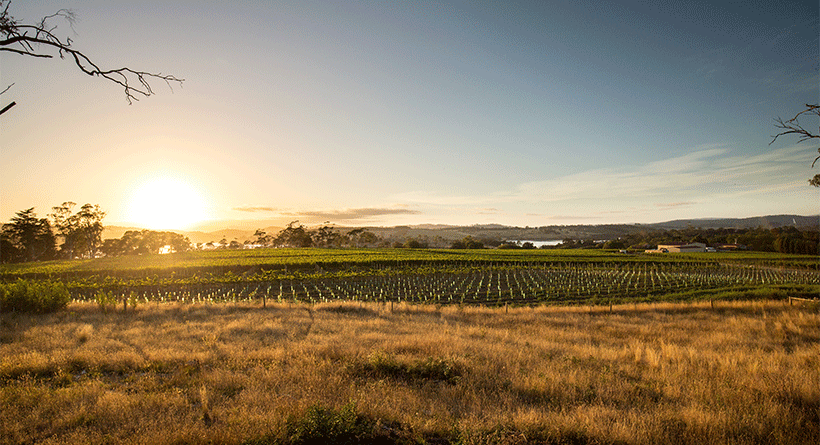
383, 113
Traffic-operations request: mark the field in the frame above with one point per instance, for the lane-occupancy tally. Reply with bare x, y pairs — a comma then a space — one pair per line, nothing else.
477, 277
738, 372
416, 346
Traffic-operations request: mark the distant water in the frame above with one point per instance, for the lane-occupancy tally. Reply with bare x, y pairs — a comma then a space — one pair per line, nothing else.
537, 244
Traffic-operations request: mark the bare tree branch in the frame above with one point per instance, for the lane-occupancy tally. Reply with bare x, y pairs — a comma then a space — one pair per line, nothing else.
7, 107
793, 126
36, 40
25, 53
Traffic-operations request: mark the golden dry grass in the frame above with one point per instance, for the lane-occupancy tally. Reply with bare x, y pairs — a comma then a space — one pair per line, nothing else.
746, 373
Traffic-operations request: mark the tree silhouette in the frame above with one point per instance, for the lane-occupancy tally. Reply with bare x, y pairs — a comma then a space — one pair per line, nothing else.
326, 236
293, 236
145, 242
27, 238
793, 126
262, 238
40, 40
81, 231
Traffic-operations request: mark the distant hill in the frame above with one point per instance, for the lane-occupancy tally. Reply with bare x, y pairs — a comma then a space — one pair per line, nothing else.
769, 222
217, 235
443, 235
116, 231
195, 237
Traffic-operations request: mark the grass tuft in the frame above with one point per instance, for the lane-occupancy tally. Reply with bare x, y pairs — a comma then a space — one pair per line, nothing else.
348, 309
382, 365
321, 425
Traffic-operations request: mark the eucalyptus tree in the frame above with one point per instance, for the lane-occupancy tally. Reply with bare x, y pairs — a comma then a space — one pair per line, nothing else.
27, 238
81, 232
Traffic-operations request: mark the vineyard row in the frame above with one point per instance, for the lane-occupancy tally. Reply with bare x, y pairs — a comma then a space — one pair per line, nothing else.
490, 286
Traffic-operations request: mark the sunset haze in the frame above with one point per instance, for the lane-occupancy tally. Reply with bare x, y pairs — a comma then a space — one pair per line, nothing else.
386, 113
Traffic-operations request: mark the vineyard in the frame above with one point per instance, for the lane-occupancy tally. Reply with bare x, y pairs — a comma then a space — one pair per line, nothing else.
482, 277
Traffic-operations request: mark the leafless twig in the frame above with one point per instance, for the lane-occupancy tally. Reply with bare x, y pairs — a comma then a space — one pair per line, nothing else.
36, 40
793, 126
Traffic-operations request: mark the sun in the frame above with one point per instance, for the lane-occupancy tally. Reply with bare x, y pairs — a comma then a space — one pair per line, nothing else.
166, 203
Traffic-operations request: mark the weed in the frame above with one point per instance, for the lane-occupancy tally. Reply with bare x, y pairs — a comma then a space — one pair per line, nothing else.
320, 425
84, 333
382, 365
105, 300
133, 299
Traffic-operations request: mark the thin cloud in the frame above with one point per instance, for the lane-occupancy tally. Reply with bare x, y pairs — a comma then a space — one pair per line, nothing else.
631, 210
699, 158
706, 175
566, 217
668, 205
352, 214
254, 209
696, 173
433, 198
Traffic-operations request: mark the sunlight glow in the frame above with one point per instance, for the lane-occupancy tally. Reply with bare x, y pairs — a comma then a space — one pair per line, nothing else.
166, 203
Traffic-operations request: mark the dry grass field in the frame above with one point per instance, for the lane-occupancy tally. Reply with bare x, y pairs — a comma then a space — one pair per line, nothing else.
738, 373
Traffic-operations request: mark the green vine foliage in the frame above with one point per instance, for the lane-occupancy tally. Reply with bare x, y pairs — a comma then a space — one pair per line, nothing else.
33, 296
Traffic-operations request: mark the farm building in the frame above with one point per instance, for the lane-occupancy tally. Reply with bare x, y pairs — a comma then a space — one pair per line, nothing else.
678, 248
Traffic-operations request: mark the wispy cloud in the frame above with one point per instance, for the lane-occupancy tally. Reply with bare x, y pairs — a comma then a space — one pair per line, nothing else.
704, 171
351, 214
668, 205
438, 199
697, 181
566, 217
336, 215
255, 209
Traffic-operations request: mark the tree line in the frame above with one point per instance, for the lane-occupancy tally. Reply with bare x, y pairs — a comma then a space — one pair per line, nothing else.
297, 235
145, 242
69, 234
780, 239
29, 238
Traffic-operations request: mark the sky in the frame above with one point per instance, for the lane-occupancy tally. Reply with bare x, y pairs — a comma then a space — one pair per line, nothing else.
525, 113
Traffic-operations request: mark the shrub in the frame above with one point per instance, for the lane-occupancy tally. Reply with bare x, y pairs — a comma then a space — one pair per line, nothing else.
133, 299
467, 243
33, 296
105, 300
327, 425
508, 245
415, 244
432, 369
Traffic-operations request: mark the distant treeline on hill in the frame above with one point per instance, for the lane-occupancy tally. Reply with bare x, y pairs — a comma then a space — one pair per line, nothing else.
782, 239
68, 235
